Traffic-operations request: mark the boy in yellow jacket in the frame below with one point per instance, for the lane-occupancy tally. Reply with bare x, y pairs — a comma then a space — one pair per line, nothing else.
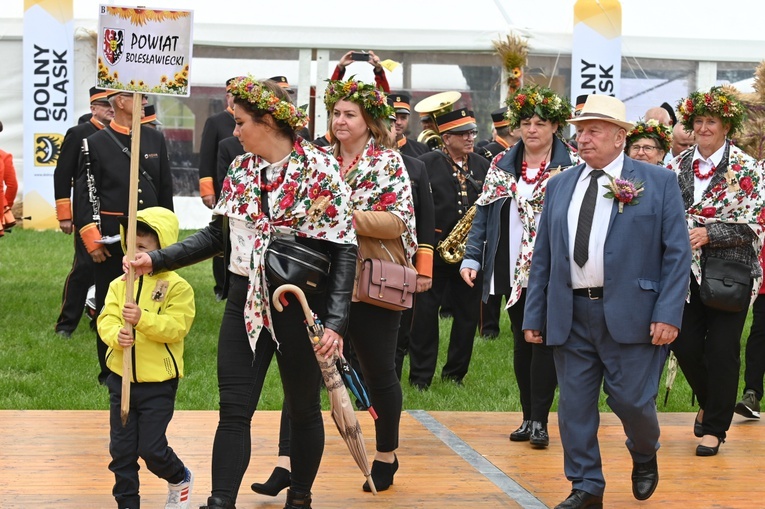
161, 317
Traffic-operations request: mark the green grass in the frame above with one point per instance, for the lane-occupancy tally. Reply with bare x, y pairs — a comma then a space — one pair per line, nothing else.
38, 370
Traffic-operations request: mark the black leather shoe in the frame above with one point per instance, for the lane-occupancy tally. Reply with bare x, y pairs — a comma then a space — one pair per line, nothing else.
580, 500
522, 434
297, 500
382, 475
217, 503
698, 428
280, 479
539, 437
645, 478
703, 450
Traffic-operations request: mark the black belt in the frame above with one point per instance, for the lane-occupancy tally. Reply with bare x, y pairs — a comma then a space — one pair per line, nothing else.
594, 293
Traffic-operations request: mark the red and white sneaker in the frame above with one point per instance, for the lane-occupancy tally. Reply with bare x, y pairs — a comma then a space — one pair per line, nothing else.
179, 495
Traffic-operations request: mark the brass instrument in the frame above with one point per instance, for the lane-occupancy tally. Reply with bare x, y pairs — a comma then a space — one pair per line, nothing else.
434, 106
452, 248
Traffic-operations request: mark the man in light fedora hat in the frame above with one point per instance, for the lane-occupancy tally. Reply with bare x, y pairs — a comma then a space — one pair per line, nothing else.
607, 289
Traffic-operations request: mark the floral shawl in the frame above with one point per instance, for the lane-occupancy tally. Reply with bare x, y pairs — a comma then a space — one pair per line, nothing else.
737, 199
502, 183
380, 183
312, 201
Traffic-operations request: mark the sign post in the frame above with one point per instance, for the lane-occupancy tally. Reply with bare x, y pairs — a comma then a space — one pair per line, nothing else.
141, 51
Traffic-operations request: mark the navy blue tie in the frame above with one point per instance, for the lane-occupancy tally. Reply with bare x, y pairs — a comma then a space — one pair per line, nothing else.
584, 225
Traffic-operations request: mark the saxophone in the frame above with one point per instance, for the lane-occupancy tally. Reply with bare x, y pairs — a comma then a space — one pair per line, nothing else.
452, 248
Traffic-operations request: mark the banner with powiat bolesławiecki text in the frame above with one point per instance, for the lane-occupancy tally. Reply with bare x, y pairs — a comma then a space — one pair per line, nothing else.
596, 55
48, 102
144, 50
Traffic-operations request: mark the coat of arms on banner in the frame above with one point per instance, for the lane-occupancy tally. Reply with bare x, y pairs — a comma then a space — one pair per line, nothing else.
113, 42
47, 148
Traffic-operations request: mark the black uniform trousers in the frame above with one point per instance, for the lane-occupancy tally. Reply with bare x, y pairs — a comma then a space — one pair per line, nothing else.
423, 346
144, 435
534, 368
708, 350
755, 349
488, 323
76, 286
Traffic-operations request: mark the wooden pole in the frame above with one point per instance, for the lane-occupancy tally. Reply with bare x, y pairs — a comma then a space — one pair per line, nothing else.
135, 150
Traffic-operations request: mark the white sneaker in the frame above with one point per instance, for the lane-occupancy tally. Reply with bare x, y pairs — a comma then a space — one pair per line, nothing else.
179, 495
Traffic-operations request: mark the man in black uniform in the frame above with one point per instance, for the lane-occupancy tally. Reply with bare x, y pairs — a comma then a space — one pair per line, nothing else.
406, 146
503, 136
217, 127
423, 259
456, 176
80, 277
101, 192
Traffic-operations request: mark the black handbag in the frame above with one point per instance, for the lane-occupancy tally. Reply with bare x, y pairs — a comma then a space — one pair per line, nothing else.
289, 262
725, 285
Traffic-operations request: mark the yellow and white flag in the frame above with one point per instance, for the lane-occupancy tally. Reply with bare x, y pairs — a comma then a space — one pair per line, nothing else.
596, 57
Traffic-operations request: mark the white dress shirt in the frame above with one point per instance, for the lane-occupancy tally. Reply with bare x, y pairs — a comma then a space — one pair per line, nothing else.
591, 274
705, 167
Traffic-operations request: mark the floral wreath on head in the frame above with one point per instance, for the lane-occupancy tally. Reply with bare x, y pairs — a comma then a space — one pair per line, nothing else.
257, 94
371, 99
718, 102
541, 101
651, 129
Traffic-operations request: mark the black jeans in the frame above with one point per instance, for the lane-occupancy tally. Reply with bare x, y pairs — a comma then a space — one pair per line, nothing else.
708, 350
755, 349
240, 382
373, 332
534, 368
144, 435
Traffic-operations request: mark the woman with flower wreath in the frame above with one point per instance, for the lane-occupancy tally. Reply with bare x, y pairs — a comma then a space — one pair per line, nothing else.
383, 214
723, 191
501, 239
649, 141
282, 186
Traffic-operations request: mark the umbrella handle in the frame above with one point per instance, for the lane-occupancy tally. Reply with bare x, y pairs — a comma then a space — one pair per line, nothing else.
280, 300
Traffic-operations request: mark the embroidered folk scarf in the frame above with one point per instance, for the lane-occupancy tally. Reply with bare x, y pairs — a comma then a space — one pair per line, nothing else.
738, 199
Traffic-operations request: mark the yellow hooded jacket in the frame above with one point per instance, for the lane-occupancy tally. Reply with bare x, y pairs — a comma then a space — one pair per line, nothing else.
167, 304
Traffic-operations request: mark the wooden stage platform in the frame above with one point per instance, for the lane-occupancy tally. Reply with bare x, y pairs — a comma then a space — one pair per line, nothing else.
58, 459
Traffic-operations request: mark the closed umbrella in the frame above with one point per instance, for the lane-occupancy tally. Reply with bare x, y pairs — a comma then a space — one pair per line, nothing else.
340, 406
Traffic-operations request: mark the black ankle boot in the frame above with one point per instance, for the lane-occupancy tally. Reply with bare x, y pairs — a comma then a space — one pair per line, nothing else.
217, 503
297, 500
382, 475
280, 479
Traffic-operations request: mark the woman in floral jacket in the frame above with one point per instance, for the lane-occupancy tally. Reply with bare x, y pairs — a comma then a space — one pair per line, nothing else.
501, 239
383, 214
282, 186
723, 191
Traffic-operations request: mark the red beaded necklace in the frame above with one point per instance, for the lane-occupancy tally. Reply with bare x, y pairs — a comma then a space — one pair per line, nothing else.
276, 183
697, 172
353, 163
524, 168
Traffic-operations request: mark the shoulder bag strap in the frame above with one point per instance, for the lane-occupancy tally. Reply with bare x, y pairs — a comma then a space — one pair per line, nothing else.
126, 151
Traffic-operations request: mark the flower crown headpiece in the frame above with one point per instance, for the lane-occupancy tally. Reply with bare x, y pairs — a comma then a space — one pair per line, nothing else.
371, 99
541, 101
651, 129
257, 94
719, 102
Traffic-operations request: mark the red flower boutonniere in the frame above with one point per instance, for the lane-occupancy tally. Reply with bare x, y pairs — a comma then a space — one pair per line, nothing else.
625, 191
